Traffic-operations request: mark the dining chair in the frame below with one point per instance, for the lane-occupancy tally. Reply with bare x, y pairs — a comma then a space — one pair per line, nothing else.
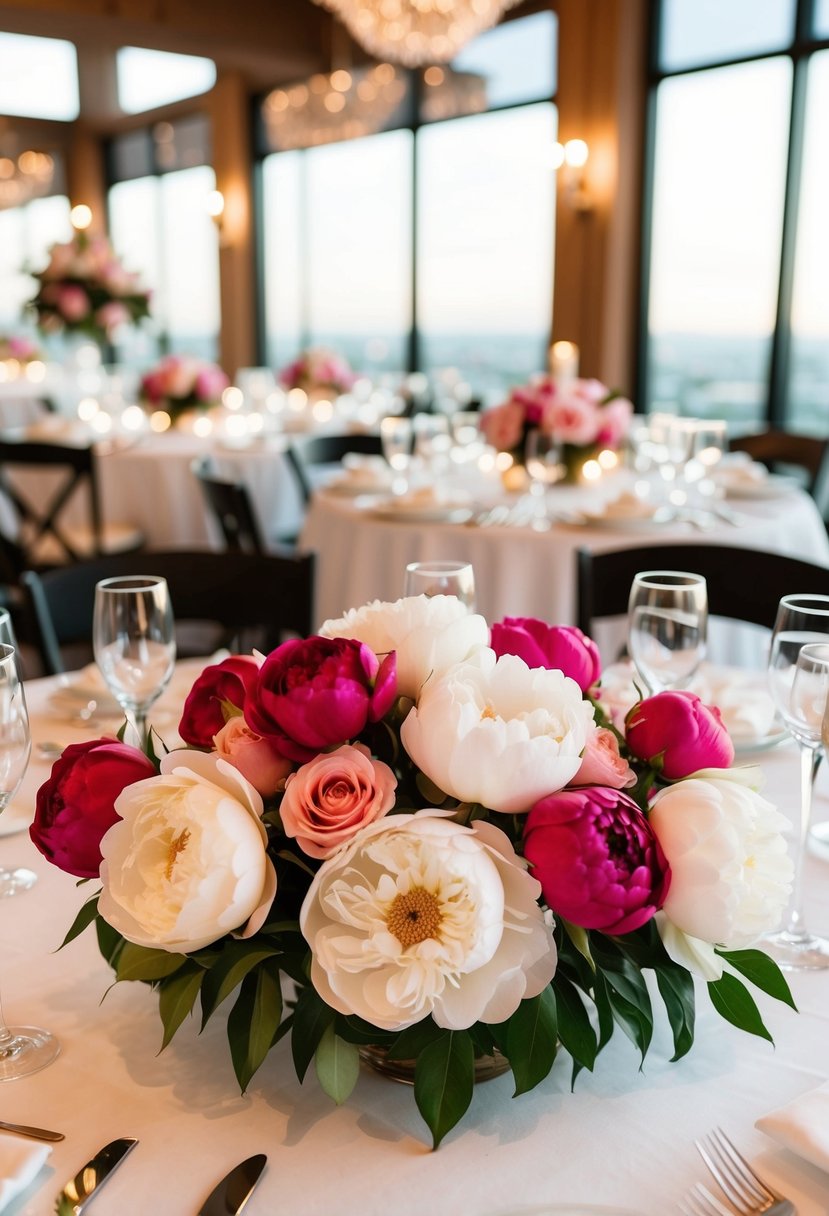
778, 449
743, 584
45, 535
255, 600
229, 506
318, 450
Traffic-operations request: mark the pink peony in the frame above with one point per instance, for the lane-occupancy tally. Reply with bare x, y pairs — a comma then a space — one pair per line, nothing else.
72, 302
602, 763
573, 419
211, 382
503, 426
614, 422
110, 316
255, 758
329, 799
678, 734
203, 715
598, 861
556, 647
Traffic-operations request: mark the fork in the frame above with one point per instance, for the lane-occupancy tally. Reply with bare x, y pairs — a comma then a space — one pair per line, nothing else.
748, 1193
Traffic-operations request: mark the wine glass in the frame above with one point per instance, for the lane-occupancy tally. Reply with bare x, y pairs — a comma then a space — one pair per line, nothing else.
542, 456
134, 643
799, 681
396, 438
13, 879
667, 627
441, 578
23, 1049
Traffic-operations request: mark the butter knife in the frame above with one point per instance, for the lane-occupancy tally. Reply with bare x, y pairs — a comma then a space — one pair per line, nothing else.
36, 1133
74, 1197
235, 1189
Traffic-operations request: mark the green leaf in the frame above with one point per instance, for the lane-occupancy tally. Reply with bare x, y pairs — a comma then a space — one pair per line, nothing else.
410, 1042
531, 1040
236, 960
574, 1028
676, 987
311, 1019
355, 1030
734, 1002
141, 963
635, 1021
110, 941
337, 1064
253, 1022
85, 917
581, 940
176, 998
762, 971
444, 1078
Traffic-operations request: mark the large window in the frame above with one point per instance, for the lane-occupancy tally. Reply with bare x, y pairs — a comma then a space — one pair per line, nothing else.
428, 245
26, 235
38, 77
737, 292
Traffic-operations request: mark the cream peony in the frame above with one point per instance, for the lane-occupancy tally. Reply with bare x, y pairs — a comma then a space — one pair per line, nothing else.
429, 634
498, 732
187, 861
730, 871
419, 915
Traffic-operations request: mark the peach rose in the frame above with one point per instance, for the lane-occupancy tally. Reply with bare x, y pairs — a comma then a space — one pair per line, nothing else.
330, 798
254, 757
602, 764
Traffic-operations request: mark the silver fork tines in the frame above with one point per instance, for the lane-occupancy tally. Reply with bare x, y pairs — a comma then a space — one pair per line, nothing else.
700, 1202
748, 1193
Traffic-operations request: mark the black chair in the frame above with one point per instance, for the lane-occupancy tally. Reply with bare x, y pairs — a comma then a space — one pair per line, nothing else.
256, 600
44, 536
743, 584
783, 450
319, 450
229, 505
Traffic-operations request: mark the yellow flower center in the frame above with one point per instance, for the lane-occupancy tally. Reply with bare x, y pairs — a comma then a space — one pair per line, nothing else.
488, 712
177, 845
414, 916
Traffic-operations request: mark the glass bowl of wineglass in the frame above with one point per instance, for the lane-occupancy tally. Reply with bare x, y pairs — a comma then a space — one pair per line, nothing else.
667, 627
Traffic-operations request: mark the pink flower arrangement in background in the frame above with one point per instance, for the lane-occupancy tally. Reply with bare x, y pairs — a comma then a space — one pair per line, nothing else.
429, 826
318, 370
18, 350
584, 416
85, 289
179, 383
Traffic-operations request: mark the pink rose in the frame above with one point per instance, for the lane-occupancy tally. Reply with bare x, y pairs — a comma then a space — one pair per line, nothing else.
76, 806
614, 422
596, 856
110, 316
572, 419
211, 382
503, 425
535, 399
231, 680
73, 302
676, 733
556, 647
254, 757
329, 799
602, 763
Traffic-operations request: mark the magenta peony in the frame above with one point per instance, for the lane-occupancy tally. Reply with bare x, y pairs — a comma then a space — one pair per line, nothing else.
556, 647
678, 734
229, 681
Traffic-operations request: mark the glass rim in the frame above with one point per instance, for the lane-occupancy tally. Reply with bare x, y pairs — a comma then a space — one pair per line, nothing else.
817, 651
653, 577
809, 602
438, 567
130, 582
7, 652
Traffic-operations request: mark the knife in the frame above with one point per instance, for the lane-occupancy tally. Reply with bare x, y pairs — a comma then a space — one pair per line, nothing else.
74, 1197
235, 1189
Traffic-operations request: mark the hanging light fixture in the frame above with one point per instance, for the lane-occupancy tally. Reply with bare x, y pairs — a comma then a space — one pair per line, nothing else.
416, 32
328, 108
24, 177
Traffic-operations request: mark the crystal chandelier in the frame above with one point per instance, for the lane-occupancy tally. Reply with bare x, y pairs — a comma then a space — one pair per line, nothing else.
416, 32
24, 177
325, 109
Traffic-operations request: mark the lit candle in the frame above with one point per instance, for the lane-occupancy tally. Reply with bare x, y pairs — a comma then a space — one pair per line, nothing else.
564, 362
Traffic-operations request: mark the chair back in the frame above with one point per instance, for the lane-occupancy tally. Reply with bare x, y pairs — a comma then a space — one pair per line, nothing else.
775, 448
743, 584
303, 454
40, 518
229, 505
271, 594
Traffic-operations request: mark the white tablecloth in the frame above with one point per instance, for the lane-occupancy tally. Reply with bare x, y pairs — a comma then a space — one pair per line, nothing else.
623, 1137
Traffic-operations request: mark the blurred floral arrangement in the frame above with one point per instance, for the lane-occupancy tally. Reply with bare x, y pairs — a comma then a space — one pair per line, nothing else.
584, 416
85, 289
20, 350
434, 831
179, 383
318, 370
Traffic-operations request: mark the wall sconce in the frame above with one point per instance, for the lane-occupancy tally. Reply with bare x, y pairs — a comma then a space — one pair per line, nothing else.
80, 217
571, 158
216, 211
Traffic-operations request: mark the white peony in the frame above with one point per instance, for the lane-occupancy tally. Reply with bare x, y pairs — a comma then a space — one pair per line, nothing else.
430, 634
187, 861
730, 871
495, 731
419, 915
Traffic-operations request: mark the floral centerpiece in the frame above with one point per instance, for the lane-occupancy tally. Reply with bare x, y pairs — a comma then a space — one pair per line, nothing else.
317, 371
84, 289
584, 416
433, 831
179, 383
18, 350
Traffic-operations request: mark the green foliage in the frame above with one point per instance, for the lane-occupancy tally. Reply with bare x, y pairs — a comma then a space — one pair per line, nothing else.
444, 1077
337, 1064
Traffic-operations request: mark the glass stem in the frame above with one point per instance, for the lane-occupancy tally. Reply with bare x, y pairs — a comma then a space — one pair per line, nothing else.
810, 758
6, 1037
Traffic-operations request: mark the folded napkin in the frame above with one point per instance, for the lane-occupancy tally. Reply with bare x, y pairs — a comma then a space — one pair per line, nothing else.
802, 1126
629, 506
739, 469
20, 1163
362, 472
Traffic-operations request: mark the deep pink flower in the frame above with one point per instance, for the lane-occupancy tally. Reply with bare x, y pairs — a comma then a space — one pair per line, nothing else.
76, 806
231, 680
315, 693
678, 734
598, 861
556, 647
